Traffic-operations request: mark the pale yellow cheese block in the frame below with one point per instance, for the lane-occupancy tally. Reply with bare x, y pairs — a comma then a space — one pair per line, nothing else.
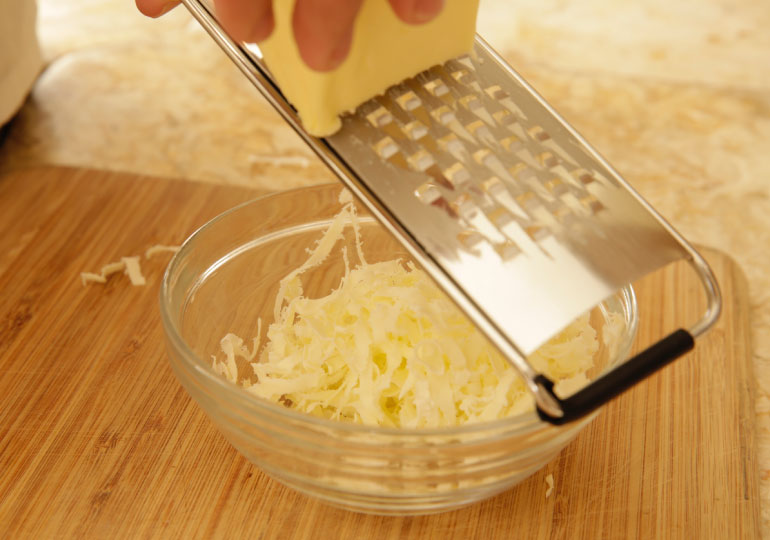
384, 52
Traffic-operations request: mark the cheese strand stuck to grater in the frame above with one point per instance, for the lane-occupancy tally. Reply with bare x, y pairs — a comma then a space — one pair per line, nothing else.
502, 203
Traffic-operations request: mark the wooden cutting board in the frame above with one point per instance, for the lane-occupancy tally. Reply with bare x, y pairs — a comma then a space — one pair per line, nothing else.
99, 440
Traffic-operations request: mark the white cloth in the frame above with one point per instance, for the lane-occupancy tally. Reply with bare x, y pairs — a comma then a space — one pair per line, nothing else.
20, 60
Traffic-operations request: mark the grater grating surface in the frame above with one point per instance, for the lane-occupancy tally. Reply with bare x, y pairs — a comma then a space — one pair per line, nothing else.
501, 196
502, 203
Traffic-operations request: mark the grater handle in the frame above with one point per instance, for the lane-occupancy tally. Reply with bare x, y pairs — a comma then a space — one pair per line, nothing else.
618, 380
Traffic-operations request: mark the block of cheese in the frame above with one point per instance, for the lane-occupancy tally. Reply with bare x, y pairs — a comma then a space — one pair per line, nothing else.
384, 52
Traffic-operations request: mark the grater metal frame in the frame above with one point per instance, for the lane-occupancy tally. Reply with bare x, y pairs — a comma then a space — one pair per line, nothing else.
550, 407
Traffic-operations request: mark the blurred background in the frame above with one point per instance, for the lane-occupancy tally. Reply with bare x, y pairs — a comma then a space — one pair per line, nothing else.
676, 95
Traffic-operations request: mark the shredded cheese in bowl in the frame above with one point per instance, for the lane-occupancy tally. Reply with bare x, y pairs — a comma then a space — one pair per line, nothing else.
387, 348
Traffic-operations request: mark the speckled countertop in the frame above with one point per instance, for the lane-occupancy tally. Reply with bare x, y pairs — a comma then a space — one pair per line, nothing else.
675, 94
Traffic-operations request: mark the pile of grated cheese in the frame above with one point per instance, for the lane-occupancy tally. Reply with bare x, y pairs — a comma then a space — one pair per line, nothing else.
388, 348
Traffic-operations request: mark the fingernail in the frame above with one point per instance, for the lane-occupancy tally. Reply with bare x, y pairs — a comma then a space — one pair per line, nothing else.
168, 6
262, 29
340, 51
330, 57
425, 10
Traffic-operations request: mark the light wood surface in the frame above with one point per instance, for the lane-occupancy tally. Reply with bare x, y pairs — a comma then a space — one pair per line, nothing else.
99, 440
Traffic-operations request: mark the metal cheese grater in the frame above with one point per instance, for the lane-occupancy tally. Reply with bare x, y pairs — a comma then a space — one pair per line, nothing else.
503, 203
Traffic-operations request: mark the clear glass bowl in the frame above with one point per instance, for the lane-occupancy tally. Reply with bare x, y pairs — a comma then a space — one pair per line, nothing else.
226, 276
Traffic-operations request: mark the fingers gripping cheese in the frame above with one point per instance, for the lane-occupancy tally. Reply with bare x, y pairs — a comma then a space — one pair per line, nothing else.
384, 52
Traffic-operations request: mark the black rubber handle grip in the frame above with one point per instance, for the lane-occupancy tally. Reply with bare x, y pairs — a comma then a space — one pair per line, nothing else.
619, 379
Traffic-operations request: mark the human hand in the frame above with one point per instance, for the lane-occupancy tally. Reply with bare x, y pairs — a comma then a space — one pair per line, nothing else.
323, 29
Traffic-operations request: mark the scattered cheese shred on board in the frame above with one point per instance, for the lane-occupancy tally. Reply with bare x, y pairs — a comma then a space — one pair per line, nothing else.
90, 277
133, 270
128, 265
388, 348
158, 248
112, 268
549, 483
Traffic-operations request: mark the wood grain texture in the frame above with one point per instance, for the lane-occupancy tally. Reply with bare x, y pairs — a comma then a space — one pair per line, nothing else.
98, 439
